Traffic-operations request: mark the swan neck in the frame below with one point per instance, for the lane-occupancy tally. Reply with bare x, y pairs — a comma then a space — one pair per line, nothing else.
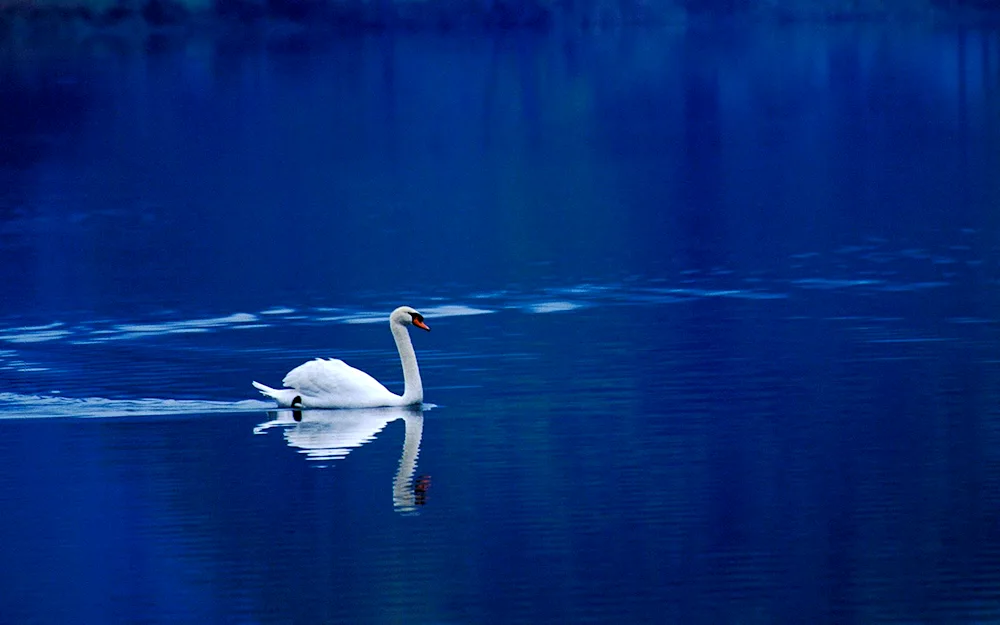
413, 389
403, 496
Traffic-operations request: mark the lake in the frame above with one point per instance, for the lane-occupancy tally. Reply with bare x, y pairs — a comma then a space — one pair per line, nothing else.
715, 325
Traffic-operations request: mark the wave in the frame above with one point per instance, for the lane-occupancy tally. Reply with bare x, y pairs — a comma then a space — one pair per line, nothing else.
137, 330
429, 312
551, 307
864, 276
34, 334
17, 406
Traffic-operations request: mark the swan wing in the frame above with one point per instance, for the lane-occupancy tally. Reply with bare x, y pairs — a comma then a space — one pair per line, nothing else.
335, 383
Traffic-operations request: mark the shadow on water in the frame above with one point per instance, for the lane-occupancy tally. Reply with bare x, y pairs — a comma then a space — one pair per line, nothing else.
326, 436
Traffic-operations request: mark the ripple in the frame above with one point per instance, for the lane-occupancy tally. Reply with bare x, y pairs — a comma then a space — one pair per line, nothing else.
691, 293
436, 312
684, 285
17, 406
913, 286
970, 321
432, 312
10, 361
34, 334
827, 283
912, 339
34, 337
551, 307
131, 331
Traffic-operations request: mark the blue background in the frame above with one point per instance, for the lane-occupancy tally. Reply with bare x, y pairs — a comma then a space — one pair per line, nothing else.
737, 360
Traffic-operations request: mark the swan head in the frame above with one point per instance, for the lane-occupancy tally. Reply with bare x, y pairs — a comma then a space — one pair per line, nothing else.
406, 316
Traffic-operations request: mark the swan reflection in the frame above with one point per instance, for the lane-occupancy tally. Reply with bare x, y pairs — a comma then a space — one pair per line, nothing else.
330, 435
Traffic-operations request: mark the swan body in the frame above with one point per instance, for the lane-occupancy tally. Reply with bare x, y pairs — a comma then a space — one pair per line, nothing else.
332, 383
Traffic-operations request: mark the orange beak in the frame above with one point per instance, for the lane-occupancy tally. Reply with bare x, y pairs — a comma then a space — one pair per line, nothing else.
420, 324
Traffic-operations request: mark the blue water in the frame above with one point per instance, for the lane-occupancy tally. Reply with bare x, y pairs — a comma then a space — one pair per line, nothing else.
715, 327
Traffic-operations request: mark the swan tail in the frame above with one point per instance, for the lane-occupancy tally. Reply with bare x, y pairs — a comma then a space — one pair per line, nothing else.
265, 389
285, 397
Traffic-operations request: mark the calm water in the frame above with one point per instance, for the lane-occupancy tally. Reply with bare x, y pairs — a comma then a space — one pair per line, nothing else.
716, 328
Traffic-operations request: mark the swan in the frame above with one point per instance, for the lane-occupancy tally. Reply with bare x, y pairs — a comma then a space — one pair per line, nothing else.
332, 383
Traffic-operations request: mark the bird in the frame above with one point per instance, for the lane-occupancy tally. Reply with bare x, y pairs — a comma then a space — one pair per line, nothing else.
332, 383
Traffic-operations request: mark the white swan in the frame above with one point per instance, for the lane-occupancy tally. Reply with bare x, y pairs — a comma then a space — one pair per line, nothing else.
333, 383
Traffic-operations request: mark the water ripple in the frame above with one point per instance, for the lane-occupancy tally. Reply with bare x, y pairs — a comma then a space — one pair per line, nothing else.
864, 264
551, 307
34, 334
138, 330
826, 283
17, 406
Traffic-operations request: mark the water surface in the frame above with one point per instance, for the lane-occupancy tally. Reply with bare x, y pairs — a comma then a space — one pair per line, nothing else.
715, 331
